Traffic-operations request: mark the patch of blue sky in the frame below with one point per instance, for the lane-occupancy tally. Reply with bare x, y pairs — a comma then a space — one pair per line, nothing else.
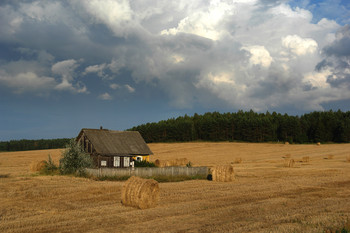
337, 10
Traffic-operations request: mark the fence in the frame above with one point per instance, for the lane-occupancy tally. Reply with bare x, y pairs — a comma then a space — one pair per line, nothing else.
149, 171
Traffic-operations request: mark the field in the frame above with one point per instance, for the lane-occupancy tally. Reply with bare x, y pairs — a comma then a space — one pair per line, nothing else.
312, 196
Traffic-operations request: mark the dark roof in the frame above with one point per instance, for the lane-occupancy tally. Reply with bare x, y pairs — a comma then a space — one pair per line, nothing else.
111, 142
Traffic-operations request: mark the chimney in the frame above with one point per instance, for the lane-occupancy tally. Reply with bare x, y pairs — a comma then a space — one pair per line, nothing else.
101, 128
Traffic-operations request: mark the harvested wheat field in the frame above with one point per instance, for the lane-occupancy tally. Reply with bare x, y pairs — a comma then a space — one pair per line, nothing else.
266, 196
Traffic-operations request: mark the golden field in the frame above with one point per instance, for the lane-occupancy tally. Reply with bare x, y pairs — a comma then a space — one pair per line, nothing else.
266, 196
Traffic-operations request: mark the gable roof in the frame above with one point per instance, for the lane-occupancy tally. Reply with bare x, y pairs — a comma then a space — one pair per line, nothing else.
111, 142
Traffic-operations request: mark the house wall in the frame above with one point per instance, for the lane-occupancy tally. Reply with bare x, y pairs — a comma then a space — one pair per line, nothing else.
109, 161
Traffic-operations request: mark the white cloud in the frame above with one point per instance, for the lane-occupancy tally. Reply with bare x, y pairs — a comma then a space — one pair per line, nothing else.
99, 69
129, 88
299, 46
27, 82
115, 14
114, 86
105, 96
65, 68
206, 22
259, 55
318, 79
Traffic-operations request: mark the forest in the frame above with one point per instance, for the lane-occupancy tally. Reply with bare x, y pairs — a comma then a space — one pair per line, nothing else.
41, 144
249, 126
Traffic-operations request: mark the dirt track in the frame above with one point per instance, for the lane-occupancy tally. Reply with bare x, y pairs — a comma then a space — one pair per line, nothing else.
266, 197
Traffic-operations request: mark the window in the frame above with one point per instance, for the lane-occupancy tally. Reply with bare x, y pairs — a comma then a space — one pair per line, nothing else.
103, 163
116, 161
126, 161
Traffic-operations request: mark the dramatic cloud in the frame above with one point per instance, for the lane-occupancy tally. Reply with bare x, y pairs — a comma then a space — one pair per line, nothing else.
233, 53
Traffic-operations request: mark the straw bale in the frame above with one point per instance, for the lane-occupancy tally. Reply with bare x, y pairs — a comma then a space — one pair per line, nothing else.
289, 162
140, 193
237, 160
306, 159
171, 163
180, 162
348, 158
319, 144
287, 156
223, 173
37, 166
330, 156
286, 143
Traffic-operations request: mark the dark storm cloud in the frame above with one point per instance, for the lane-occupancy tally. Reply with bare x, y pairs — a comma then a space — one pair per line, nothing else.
338, 59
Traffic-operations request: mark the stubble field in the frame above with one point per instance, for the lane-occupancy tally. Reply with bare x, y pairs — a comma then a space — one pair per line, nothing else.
266, 197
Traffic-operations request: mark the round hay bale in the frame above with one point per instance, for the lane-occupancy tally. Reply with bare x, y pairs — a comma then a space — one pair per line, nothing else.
37, 166
180, 162
161, 163
223, 173
289, 162
140, 193
237, 160
319, 144
157, 162
286, 143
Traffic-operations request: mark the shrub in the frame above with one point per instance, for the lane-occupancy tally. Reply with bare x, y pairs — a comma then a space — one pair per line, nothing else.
74, 160
144, 163
49, 167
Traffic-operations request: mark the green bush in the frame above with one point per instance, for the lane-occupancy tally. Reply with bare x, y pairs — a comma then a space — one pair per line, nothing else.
50, 167
144, 163
74, 160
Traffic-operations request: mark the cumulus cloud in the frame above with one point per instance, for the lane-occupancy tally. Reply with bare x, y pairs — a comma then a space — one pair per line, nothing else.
298, 45
66, 69
129, 88
105, 96
259, 55
27, 82
239, 54
114, 86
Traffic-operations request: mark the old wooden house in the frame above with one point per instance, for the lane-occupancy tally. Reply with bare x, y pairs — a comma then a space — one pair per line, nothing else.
110, 148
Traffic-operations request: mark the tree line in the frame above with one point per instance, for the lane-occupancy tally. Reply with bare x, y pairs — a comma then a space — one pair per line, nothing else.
41, 144
249, 126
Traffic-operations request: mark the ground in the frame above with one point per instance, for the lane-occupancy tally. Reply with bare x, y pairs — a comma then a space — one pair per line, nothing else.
266, 197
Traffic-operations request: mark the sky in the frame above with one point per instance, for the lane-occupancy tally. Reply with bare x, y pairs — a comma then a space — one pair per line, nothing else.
72, 64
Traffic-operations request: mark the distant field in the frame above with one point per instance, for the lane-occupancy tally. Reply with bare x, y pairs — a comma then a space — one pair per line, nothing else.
266, 196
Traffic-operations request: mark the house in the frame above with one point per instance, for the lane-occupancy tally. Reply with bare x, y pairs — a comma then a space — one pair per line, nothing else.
110, 148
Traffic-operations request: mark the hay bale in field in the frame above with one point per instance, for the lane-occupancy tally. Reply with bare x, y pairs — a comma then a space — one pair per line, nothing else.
330, 156
348, 159
286, 143
237, 160
306, 159
319, 144
223, 173
287, 156
140, 193
171, 163
161, 163
289, 162
37, 166
180, 162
